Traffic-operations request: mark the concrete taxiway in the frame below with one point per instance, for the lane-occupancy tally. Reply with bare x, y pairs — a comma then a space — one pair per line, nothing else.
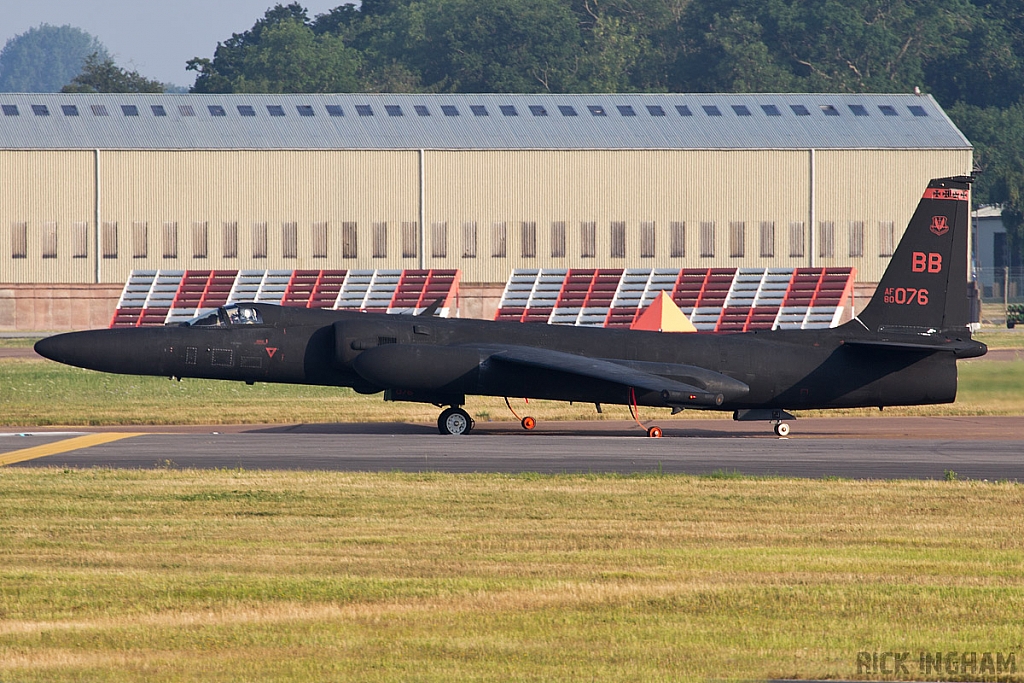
858, 448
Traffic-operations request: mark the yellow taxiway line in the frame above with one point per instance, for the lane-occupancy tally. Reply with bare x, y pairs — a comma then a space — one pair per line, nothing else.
62, 446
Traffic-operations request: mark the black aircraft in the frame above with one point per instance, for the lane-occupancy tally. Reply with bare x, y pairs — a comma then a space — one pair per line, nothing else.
901, 349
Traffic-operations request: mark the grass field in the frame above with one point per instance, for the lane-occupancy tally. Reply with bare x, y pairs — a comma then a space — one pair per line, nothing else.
28, 389
235, 575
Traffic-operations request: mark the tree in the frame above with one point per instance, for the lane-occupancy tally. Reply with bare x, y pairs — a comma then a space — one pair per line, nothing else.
45, 58
101, 74
281, 53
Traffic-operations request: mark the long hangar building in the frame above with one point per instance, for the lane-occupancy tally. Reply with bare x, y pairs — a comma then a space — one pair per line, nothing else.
93, 187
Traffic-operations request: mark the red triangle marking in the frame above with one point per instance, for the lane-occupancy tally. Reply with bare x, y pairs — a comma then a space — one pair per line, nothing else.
271, 350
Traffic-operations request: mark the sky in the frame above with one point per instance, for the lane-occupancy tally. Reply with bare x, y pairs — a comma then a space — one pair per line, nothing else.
153, 38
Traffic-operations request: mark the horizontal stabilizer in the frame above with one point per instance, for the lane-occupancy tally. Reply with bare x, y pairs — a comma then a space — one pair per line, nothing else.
961, 349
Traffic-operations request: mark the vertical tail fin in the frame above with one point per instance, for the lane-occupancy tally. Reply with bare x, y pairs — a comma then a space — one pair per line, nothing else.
925, 285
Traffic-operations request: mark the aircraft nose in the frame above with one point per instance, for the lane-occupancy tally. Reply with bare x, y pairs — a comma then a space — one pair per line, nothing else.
59, 347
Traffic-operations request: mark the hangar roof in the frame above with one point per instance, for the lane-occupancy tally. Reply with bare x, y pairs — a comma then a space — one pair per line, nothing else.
493, 121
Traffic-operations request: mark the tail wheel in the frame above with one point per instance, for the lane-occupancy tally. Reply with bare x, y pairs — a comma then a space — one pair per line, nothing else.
654, 432
782, 429
454, 421
528, 423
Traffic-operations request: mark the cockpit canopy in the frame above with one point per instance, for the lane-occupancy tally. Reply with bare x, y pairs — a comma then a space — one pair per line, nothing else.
232, 314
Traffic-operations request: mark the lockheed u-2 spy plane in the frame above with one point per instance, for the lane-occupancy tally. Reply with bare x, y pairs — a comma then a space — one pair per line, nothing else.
901, 349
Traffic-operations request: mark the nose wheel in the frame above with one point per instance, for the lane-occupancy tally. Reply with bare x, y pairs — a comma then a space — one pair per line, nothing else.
781, 429
455, 421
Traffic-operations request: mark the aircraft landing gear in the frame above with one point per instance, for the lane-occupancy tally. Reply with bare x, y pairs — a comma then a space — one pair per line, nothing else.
528, 423
781, 429
454, 420
654, 432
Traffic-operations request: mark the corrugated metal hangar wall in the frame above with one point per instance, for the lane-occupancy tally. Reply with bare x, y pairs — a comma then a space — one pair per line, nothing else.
621, 181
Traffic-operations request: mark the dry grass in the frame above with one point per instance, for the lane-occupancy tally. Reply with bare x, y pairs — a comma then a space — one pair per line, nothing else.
229, 575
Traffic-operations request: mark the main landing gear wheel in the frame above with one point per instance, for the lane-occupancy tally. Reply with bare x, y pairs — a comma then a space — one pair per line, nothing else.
654, 432
528, 423
454, 421
782, 429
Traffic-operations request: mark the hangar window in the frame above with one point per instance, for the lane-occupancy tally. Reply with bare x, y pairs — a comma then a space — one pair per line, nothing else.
184, 110
826, 239
498, 234
49, 241
10, 109
246, 110
740, 110
618, 239
558, 239
129, 110
393, 110
678, 239
335, 110
737, 239
259, 240
828, 110
289, 239
170, 240
588, 239
796, 239
421, 110
140, 239
770, 110
158, 110
320, 238
917, 110
597, 110
528, 233
229, 239
449, 110
69, 109
707, 239
364, 110
566, 110
478, 110
304, 110
438, 240
19, 240
108, 237
683, 110
887, 110
508, 110
410, 239
538, 110
380, 240
856, 239
647, 234
498, 240
711, 110
216, 110
79, 239
199, 241
349, 239
40, 110
858, 110
886, 238
655, 110
275, 110
800, 110
767, 239
469, 239
626, 110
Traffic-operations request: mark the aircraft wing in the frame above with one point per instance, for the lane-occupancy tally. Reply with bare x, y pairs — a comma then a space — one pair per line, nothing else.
672, 391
